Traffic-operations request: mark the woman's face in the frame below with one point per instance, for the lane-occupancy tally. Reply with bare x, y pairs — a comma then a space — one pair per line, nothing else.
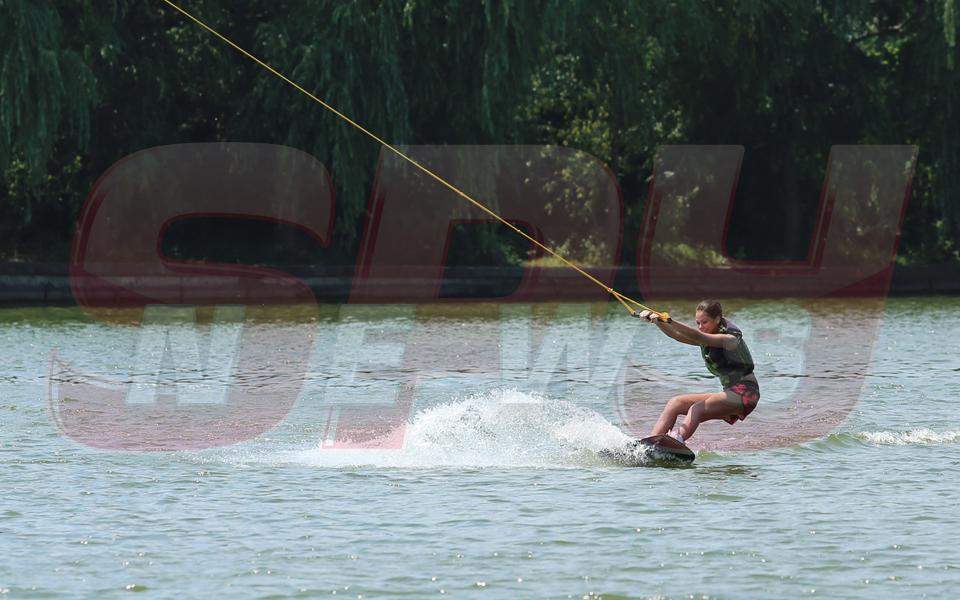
706, 323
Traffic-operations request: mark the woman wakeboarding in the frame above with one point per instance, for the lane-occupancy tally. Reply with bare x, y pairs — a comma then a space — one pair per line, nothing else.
727, 357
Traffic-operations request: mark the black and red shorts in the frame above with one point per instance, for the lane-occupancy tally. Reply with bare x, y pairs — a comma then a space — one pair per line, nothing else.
749, 392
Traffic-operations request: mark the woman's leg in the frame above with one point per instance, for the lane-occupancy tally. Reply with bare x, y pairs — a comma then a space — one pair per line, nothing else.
676, 406
715, 406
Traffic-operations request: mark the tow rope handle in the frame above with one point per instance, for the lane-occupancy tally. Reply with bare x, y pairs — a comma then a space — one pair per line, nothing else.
663, 317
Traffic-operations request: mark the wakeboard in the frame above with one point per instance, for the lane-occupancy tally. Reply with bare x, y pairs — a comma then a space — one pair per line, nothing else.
649, 450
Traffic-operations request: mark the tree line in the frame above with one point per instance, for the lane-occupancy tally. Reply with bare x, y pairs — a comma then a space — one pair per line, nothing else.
84, 83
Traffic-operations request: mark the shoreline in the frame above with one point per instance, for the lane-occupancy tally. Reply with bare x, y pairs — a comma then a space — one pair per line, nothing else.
45, 283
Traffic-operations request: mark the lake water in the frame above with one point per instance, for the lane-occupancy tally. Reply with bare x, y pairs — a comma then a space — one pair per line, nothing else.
452, 450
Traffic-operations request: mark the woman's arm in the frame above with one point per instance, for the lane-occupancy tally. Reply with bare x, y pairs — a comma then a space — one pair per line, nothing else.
665, 327
714, 340
675, 334
688, 335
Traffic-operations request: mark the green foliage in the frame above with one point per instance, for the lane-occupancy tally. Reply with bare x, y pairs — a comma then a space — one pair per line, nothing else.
46, 88
85, 82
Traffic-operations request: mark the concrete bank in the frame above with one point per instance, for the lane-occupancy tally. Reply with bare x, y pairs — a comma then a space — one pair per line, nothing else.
45, 283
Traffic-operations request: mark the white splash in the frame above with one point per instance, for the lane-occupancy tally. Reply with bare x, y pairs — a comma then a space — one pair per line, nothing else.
502, 428
914, 436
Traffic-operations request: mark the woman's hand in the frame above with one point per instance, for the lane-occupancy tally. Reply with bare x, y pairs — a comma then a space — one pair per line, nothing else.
646, 315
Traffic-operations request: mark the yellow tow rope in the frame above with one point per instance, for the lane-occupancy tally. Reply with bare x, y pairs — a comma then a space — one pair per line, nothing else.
624, 300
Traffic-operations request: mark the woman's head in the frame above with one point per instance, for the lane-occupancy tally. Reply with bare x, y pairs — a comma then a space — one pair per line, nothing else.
709, 314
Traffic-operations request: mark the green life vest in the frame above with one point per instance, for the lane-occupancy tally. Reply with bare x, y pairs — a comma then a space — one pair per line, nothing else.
729, 365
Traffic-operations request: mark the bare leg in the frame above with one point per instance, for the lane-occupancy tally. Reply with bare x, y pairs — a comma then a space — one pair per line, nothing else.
676, 406
715, 406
